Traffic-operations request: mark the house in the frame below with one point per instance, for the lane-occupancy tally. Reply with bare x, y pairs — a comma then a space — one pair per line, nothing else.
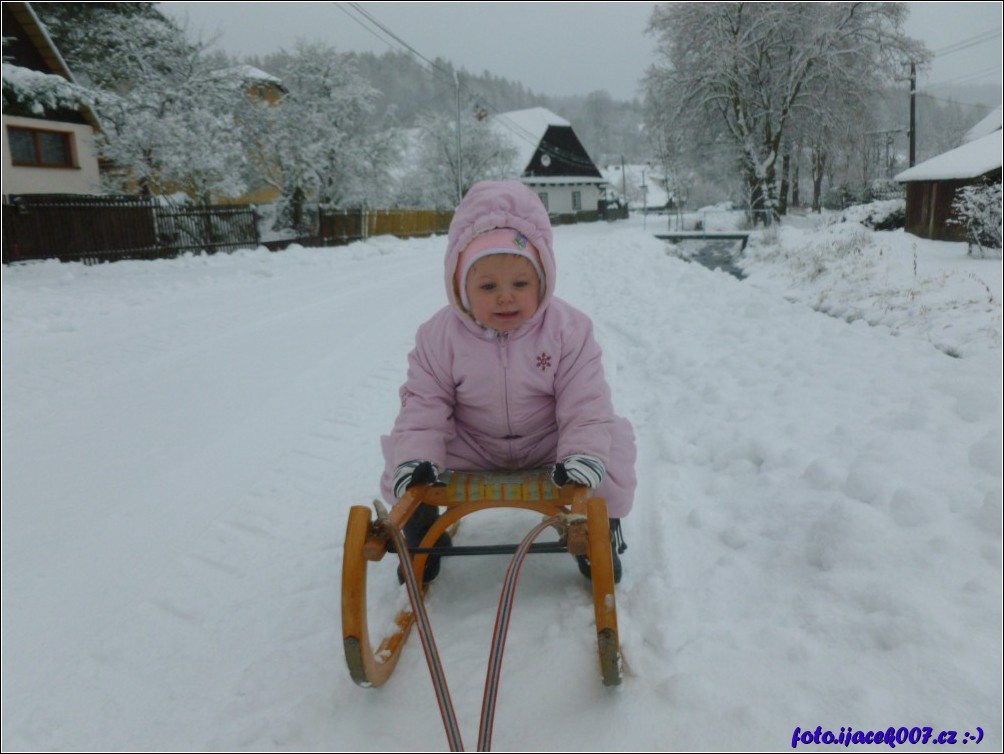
258, 86
932, 185
261, 88
552, 161
48, 140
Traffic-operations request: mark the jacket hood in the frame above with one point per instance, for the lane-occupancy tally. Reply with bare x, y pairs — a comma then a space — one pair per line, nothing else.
499, 204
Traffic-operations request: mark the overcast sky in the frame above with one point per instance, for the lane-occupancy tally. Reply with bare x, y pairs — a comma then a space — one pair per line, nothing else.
551, 48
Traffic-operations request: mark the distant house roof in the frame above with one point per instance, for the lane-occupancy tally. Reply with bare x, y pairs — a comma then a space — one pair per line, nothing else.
547, 148
244, 75
971, 160
526, 128
988, 125
37, 36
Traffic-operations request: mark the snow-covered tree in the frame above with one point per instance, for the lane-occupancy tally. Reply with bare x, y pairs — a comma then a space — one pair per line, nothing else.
178, 138
111, 45
978, 210
485, 154
320, 144
747, 71
830, 132
166, 112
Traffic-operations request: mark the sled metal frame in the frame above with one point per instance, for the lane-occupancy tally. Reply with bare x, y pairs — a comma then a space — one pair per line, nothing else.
461, 494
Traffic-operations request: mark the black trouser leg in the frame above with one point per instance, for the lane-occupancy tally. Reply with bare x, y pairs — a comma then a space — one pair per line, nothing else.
414, 531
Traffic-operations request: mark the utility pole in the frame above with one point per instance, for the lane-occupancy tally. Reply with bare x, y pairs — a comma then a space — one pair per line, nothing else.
913, 114
460, 156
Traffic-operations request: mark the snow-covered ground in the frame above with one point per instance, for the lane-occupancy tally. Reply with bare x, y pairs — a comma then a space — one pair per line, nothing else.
816, 539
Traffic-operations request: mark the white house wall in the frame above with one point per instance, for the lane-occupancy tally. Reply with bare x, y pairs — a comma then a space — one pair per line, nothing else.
82, 179
559, 196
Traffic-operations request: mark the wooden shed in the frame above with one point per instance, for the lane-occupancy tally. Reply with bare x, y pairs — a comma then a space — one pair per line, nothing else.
931, 186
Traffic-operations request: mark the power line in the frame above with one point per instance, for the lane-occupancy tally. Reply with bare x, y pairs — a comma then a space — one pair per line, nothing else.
947, 101
517, 131
983, 72
965, 44
365, 14
365, 27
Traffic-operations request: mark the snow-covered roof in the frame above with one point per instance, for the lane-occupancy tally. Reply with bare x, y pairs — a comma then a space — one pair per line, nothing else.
525, 129
58, 89
968, 161
251, 73
42, 91
986, 126
38, 35
243, 74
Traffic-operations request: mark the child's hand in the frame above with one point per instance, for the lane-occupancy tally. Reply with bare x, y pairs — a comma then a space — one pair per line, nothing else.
579, 469
409, 474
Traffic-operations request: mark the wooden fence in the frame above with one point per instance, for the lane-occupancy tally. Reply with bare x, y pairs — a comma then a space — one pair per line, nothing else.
95, 229
345, 226
76, 228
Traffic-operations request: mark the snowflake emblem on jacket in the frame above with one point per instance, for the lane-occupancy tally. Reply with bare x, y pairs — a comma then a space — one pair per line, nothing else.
543, 362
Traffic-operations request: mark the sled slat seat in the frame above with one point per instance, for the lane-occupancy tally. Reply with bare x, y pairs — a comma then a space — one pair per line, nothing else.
502, 486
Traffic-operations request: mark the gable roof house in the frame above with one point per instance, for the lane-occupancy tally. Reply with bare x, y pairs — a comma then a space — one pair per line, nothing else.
931, 186
48, 135
552, 160
264, 89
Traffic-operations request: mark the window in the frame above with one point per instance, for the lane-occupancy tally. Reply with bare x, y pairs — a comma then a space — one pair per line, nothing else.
51, 149
577, 201
543, 199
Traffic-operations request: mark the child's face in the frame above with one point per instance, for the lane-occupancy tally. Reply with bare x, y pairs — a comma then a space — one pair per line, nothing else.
503, 290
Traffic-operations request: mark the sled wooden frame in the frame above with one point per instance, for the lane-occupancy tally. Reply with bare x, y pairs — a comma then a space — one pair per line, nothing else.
465, 493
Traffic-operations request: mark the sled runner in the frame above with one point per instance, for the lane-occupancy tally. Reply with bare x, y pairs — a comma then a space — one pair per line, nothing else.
580, 519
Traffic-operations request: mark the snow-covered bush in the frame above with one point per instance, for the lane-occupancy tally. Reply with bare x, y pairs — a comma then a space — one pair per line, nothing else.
978, 210
888, 214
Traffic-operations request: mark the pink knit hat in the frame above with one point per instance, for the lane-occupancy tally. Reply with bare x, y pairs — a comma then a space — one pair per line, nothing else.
497, 241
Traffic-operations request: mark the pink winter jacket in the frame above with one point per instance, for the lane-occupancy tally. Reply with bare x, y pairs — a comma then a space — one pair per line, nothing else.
478, 399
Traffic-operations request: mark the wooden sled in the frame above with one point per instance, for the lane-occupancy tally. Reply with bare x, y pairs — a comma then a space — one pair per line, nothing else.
462, 494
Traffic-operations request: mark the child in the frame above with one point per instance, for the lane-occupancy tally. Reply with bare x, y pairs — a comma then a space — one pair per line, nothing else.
507, 376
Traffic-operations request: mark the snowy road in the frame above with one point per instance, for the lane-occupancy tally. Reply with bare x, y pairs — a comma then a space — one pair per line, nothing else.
816, 541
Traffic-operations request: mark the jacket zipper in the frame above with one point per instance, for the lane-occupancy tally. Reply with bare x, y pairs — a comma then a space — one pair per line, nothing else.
503, 339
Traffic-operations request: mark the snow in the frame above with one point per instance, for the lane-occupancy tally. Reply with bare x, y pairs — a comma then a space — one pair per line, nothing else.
972, 159
243, 75
42, 90
816, 539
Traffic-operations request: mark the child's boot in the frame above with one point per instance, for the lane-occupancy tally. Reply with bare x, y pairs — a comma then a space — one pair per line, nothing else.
414, 531
617, 546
